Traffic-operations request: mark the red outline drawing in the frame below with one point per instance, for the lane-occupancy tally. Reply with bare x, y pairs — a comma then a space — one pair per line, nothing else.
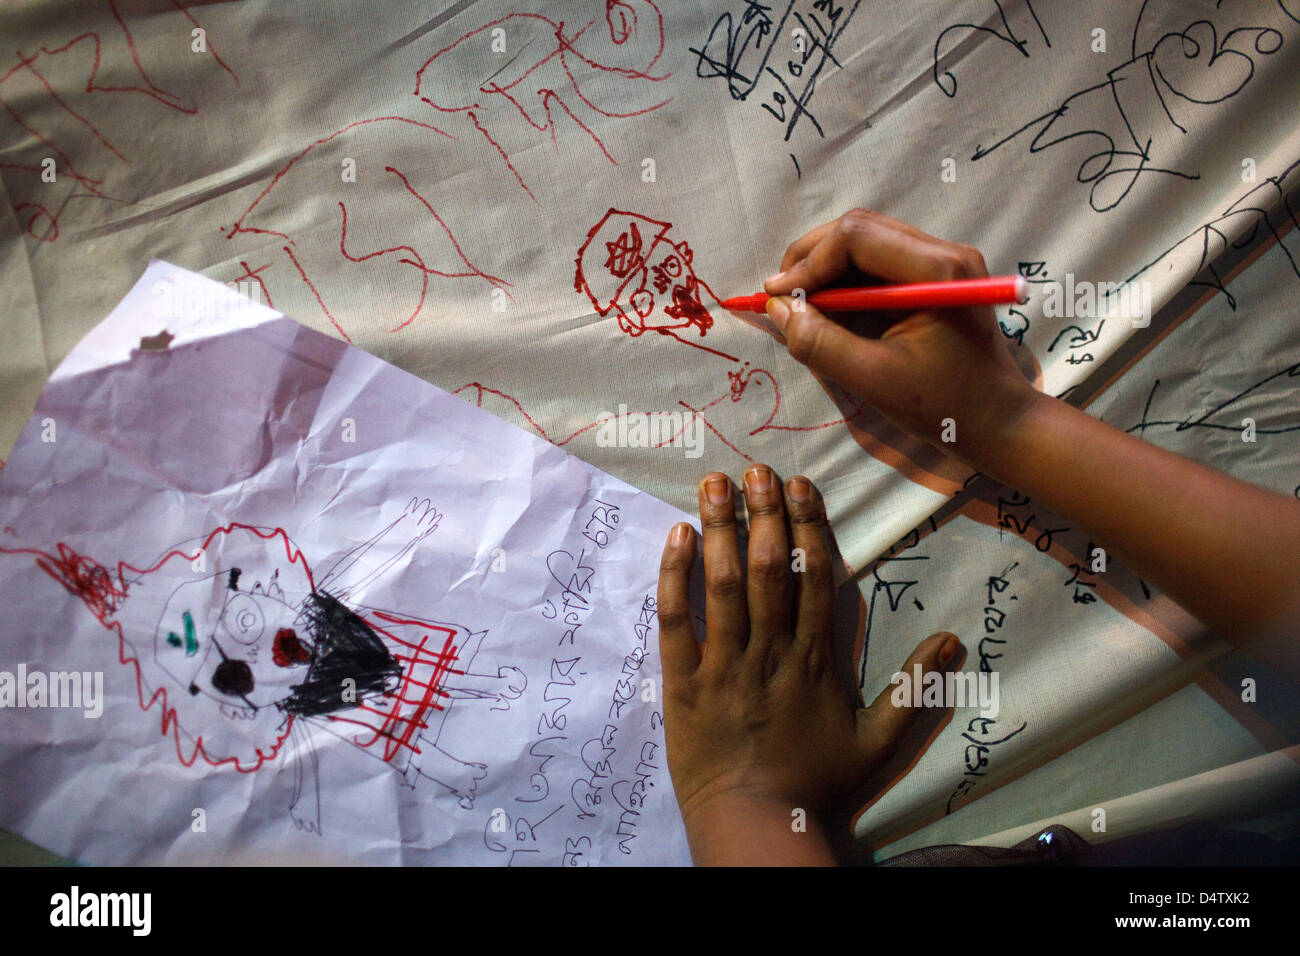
38, 65
523, 89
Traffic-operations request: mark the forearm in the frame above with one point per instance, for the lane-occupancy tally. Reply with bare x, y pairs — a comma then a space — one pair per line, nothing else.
1227, 551
750, 830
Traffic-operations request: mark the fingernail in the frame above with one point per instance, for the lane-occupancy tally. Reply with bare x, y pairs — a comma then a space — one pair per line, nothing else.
948, 653
774, 277
717, 490
681, 534
779, 312
758, 479
798, 489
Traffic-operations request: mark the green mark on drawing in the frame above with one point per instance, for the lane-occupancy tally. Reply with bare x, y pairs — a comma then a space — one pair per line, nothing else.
191, 642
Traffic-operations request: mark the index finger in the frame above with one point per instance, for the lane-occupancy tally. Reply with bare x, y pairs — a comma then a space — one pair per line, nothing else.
880, 247
803, 245
800, 247
678, 648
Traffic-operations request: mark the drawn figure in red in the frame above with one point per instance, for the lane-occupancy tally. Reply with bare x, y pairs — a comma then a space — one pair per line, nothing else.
243, 649
630, 267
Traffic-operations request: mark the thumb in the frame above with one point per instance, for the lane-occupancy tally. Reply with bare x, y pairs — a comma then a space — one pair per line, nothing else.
882, 725
830, 349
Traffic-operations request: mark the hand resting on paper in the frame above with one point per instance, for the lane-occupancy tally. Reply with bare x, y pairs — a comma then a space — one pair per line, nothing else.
759, 724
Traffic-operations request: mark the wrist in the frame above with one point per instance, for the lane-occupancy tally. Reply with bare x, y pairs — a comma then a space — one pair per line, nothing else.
753, 826
1001, 421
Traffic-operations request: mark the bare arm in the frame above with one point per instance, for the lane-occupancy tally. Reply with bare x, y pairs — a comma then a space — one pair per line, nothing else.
1227, 551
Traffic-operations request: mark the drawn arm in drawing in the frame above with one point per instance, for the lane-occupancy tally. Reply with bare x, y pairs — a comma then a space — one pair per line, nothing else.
304, 801
507, 684
351, 574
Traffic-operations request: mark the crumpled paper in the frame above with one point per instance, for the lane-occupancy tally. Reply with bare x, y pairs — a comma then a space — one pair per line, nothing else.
229, 517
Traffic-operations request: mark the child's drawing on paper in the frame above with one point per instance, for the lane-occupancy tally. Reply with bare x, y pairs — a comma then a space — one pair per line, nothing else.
243, 650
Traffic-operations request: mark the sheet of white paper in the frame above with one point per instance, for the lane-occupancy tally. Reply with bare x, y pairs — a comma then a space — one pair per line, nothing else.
337, 612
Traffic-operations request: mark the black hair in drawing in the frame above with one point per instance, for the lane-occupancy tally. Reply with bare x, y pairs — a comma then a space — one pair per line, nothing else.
343, 647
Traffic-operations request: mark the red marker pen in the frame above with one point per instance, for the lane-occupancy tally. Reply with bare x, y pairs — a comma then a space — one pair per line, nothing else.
996, 290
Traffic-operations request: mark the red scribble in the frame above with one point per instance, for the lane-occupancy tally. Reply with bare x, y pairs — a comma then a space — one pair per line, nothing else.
739, 383
403, 254
287, 650
421, 692
255, 275
505, 156
91, 184
620, 32
239, 226
622, 23
319, 301
474, 270
103, 591
630, 267
207, 40
721, 437
33, 65
480, 389
30, 225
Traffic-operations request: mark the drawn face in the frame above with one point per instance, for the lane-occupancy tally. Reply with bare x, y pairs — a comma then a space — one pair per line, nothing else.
630, 266
230, 638
677, 290
240, 646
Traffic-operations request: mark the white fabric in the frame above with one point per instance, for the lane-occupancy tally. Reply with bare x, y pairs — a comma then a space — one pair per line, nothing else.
1141, 153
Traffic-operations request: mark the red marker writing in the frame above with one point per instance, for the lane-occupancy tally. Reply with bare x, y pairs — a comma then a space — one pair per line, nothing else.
997, 290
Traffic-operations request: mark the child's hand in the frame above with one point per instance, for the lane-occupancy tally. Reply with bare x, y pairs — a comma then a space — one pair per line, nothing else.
759, 723
925, 368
